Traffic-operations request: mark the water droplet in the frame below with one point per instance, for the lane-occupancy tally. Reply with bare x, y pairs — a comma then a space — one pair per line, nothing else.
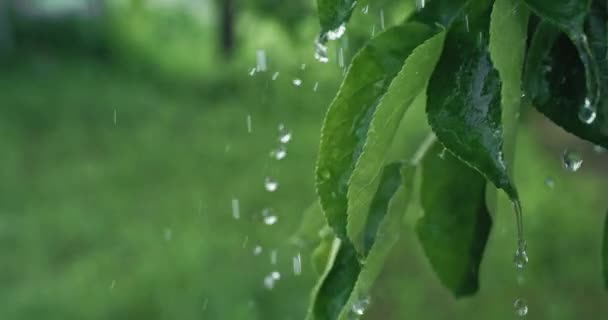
321, 50
252, 72
275, 76
382, 19
466, 23
549, 182
284, 134
341, 57
360, 306
521, 307
236, 211
521, 258
275, 275
571, 160
442, 153
257, 250
260, 58
337, 33
297, 264
297, 82
365, 9
599, 149
587, 112
168, 234
373, 30
269, 282
280, 152
273, 257
303, 66
115, 116
420, 4
315, 87
112, 284
270, 220
248, 123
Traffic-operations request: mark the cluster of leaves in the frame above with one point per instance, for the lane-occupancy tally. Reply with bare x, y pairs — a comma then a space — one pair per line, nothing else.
476, 62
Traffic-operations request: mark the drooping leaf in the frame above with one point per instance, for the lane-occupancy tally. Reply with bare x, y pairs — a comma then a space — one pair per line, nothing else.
406, 86
346, 124
567, 15
456, 223
555, 81
463, 106
508, 33
333, 296
334, 14
605, 252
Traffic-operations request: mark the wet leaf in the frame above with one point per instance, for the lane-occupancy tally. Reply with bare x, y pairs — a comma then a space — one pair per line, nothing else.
312, 222
334, 13
555, 81
463, 106
567, 15
445, 13
347, 122
346, 279
406, 86
456, 223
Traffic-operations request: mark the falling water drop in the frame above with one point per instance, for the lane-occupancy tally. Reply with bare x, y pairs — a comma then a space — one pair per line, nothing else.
303, 66
115, 116
297, 82
275, 275
236, 212
273, 257
297, 264
270, 184
360, 306
270, 220
521, 307
321, 50
341, 57
442, 153
248, 123
284, 134
571, 160
587, 112
275, 76
257, 250
382, 19
549, 182
466, 23
315, 87
260, 58
365, 9
420, 4
279, 153
521, 256
168, 234
252, 72
269, 282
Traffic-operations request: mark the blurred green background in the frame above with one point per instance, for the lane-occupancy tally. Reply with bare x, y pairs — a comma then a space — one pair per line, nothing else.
126, 150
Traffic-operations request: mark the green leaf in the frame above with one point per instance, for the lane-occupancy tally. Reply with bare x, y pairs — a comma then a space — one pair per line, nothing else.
346, 124
568, 15
463, 107
312, 222
555, 80
445, 13
508, 34
456, 223
346, 279
605, 252
406, 86
333, 14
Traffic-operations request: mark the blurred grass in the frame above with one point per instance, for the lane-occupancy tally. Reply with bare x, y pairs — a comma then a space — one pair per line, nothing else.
132, 219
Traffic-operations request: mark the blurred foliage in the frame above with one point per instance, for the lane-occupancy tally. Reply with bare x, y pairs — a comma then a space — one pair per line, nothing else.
132, 219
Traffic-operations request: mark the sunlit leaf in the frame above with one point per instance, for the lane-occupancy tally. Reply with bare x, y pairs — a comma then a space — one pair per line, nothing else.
347, 122
406, 86
463, 106
456, 223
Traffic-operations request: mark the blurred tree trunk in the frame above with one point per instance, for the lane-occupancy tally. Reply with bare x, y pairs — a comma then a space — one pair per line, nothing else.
227, 8
7, 42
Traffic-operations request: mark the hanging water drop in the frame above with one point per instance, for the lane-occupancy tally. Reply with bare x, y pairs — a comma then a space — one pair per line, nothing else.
260, 59
571, 160
587, 112
337, 33
284, 134
297, 82
521, 307
270, 184
360, 306
521, 257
